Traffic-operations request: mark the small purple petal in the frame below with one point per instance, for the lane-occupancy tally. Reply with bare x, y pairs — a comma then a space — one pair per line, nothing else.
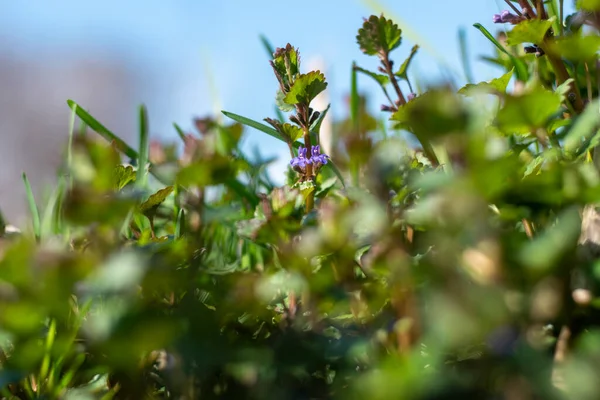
411, 96
504, 17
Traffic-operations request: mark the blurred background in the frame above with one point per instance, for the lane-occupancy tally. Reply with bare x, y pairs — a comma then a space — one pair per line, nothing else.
193, 58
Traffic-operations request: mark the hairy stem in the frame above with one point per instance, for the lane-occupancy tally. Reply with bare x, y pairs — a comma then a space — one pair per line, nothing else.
388, 68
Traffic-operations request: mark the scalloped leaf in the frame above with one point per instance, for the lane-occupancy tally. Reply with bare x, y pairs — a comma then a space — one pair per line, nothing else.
378, 35
123, 176
280, 102
155, 200
306, 87
529, 31
286, 58
523, 113
496, 85
403, 71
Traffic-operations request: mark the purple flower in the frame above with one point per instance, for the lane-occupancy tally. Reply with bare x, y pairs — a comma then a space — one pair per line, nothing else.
301, 161
317, 157
411, 96
504, 17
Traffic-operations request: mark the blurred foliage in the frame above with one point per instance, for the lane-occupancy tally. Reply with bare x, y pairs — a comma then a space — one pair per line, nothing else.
465, 266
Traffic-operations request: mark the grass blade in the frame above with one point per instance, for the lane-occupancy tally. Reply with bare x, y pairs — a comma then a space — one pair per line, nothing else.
51, 216
179, 227
143, 149
267, 45
464, 55
180, 132
102, 130
354, 110
257, 125
520, 67
33, 210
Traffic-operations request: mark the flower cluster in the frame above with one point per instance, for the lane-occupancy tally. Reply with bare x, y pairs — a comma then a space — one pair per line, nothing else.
316, 159
505, 16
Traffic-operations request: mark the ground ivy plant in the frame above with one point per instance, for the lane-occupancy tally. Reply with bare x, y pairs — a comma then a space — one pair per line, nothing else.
464, 266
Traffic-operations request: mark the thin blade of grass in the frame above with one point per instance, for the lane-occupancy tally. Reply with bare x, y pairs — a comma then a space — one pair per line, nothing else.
354, 118
257, 125
51, 215
33, 209
142, 175
267, 45
520, 67
103, 131
180, 226
464, 55
180, 132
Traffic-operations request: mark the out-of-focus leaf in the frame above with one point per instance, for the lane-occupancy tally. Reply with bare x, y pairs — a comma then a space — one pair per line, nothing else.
589, 5
528, 111
529, 31
124, 174
155, 200
584, 126
545, 251
435, 113
576, 48
496, 85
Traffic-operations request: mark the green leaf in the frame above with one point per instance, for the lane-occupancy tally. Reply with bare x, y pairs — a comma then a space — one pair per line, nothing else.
403, 71
563, 89
267, 46
529, 31
123, 176
576, 48
33, 209
306, 87
583, 127
529, 111
589, 5
520, 67
379, 78
378, 35
435, 113
257, 125
293, 132
280, 102
331, 165
286, 62
155, 200
316, 126
102, 130
497, 85
180, 132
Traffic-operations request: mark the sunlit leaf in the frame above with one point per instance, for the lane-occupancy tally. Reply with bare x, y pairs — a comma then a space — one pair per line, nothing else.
529, 31
306, 87
378, 35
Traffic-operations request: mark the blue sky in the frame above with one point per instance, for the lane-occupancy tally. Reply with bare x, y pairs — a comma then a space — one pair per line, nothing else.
205, 55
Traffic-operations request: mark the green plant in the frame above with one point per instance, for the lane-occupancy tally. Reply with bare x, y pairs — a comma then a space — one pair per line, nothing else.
456, 269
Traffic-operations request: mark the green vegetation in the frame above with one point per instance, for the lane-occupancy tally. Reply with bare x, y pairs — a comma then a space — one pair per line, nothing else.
455, 269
